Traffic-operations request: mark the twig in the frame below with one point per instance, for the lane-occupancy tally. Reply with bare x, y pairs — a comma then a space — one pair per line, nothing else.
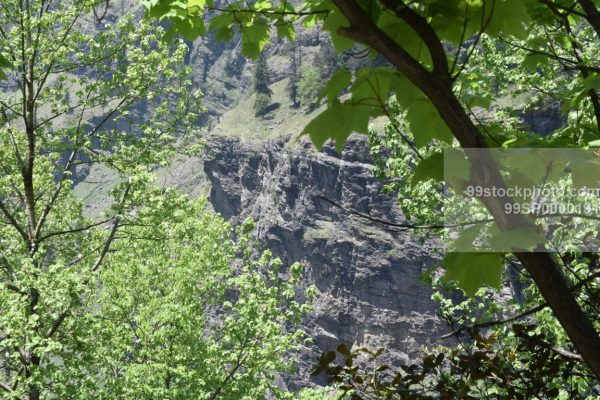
495, 322
75, 230
113, 231
5, 387
403, 226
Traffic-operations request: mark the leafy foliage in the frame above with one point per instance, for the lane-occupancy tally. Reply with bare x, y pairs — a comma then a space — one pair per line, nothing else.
478, 371
309, 86
262, 104
446, 94
261, 87
431, 46
156, 298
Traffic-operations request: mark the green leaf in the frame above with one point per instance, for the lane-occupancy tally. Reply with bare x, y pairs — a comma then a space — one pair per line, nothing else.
224, 34
405, 36
338, 82
196, 3
522, 238
159, 8
473, 270
221, 21
286, 30
581, 90
189, 28
337, 122
507, 17
4, 62
334, 21
431, 167
594, 143
539, 165
466, 239
254, 38
533, 61
372, 86
585, 169
405, 91
426, 123
457, 169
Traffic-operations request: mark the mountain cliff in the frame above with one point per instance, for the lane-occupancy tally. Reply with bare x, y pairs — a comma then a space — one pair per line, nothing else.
367, 276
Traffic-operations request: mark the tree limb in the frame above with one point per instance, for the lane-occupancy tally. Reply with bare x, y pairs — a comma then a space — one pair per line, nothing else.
74, 230
11, 219
111, 235
402, 226
592, 15
57, 322
420, 25
5, 387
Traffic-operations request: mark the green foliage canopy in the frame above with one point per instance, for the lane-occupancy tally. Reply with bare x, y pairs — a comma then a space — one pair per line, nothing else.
309, 85
155, 298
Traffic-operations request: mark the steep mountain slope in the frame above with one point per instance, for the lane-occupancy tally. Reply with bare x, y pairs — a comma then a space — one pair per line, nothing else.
368, 277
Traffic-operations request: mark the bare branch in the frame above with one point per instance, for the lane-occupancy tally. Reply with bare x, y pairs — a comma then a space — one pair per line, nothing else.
74, 230
113, 231
402, 226
11, 219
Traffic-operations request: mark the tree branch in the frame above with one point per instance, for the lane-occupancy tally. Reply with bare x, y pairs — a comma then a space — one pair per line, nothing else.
420, 25
269, 12
11, 219
489, 324
57, 322
5, 387
592, 15
113, 231
363, 30
74, 230
239, 362
402, 226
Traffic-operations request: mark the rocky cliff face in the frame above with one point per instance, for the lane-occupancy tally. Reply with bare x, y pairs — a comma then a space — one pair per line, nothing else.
367, 276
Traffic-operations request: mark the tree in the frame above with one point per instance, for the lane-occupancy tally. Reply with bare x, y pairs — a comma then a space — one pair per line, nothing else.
199, 324
309, 86
292, 85
261, 86
327, 59
429, 47
156, 298
262, 104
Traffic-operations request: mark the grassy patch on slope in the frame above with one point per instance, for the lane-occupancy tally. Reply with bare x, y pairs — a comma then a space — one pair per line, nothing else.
282, 121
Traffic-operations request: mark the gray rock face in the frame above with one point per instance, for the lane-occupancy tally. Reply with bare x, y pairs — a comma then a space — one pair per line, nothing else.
545, 119
368, 276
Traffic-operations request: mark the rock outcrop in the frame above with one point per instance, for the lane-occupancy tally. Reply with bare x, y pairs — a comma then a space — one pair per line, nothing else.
367, 274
